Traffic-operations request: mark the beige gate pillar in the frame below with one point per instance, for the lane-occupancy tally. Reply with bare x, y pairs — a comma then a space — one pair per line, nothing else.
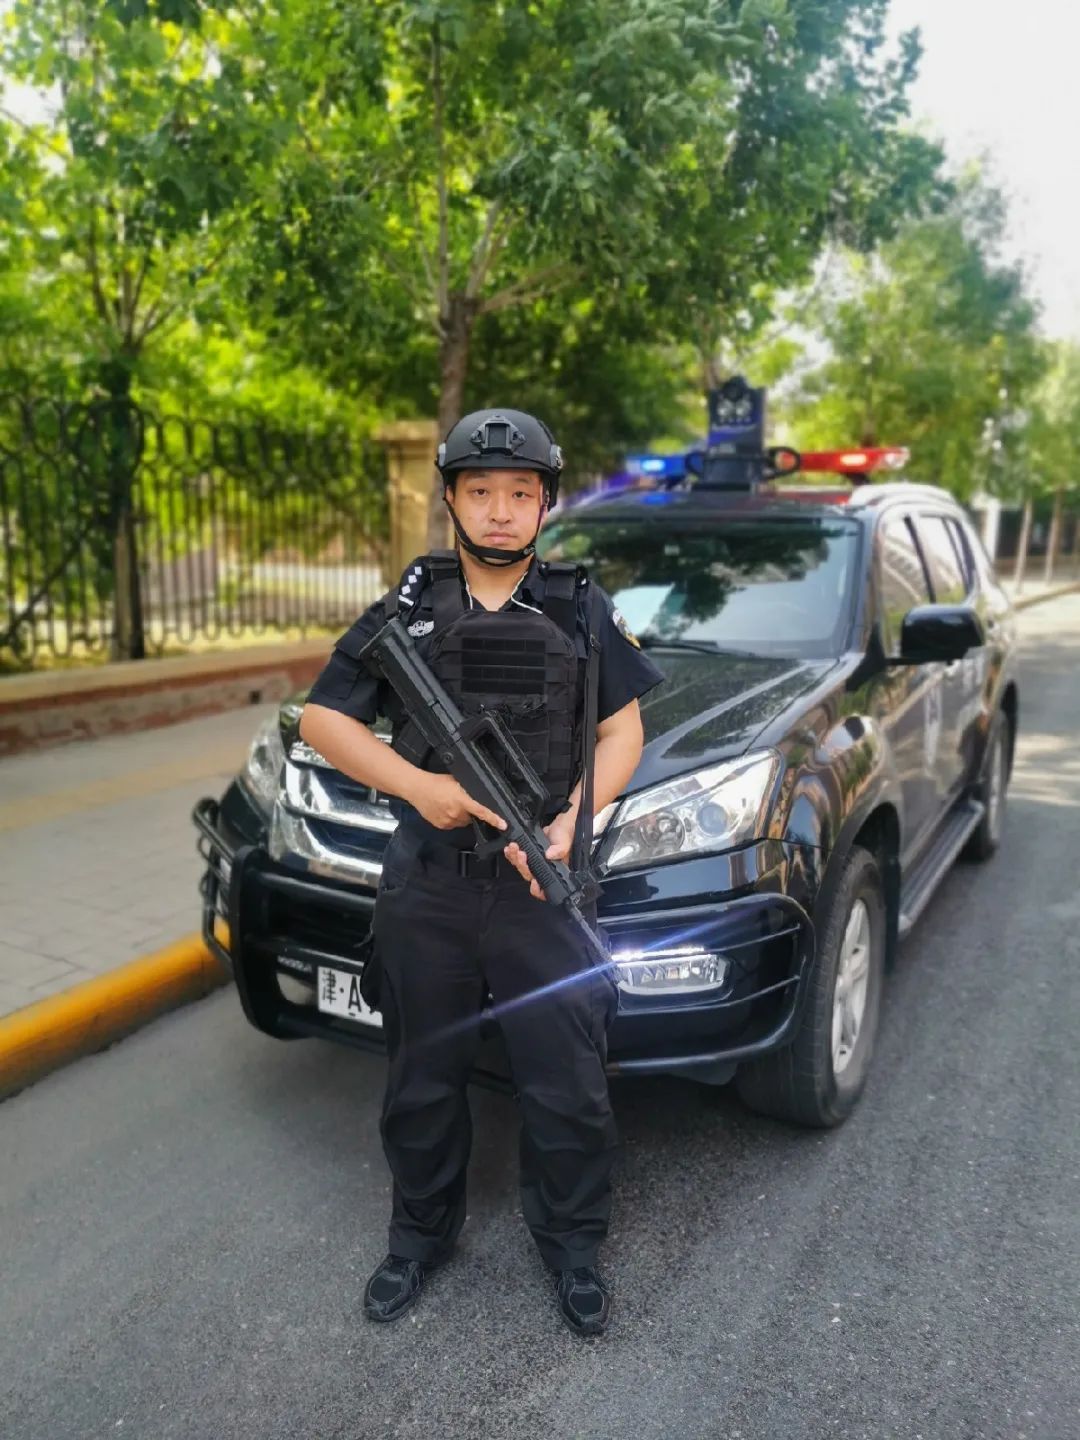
410, 462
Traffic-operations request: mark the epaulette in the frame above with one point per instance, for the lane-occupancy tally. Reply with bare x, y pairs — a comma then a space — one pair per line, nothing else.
424, 569
411, 583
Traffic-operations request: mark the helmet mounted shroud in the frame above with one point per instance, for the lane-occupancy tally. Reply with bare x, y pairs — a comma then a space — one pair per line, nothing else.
500, 440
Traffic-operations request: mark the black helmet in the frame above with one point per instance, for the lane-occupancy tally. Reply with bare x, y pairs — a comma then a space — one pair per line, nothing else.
500, 440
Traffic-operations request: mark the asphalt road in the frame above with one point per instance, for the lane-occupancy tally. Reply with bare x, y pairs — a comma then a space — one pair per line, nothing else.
187, 1220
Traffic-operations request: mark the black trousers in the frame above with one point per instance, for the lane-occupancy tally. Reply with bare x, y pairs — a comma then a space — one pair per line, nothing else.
443, 942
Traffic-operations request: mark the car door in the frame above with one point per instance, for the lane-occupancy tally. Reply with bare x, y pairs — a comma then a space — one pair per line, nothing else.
984, 666
908, 701
952, 579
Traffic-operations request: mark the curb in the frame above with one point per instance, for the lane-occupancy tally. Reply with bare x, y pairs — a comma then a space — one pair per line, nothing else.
1025, 602
52, 1032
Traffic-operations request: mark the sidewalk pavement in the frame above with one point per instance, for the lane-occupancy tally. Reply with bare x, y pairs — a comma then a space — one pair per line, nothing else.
1033, 590
98, 863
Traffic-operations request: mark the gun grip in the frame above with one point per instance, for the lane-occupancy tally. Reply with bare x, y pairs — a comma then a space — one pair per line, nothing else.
489, 841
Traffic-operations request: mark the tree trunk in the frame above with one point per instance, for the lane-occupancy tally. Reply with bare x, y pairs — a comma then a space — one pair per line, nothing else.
122, 443
1054, 538
453, 368
1022, 547
128, 638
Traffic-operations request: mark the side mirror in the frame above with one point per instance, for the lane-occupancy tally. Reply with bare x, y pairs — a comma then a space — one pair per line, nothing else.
939, 632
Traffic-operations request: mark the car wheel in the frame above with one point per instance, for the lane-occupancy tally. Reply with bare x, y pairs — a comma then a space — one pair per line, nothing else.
818, 1079
986, 837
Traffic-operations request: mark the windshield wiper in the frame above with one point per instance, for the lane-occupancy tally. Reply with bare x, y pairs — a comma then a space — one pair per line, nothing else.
703, 647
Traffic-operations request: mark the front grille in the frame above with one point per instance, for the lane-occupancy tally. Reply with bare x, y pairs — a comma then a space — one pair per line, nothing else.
330, 824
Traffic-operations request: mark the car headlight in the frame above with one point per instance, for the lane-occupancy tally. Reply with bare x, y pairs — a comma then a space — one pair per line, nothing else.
261, 775
714, 809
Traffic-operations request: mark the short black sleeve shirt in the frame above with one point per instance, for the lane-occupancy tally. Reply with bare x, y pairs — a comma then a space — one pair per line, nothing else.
346, 685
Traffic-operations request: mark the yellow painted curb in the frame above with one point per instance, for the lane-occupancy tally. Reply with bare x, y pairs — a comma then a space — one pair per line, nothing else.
60, 1028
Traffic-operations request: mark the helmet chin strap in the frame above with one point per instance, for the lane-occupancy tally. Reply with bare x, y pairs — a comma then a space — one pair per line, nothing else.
488, 554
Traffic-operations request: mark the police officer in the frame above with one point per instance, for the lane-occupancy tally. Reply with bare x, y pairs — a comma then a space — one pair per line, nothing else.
500, 627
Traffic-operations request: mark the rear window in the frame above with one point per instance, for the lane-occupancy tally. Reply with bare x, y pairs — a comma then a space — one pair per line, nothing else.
946, 564
777, 587
902, 580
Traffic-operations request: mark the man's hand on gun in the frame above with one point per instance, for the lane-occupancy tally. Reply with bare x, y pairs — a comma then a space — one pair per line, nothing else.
561, 835
447, 805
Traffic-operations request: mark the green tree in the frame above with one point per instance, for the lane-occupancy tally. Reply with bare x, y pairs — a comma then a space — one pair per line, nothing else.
817, 157
931, 344
677, 161
129, 198
461, 159
1054, 440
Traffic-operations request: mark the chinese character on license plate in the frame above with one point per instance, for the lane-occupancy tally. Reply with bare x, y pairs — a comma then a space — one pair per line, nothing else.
339, 994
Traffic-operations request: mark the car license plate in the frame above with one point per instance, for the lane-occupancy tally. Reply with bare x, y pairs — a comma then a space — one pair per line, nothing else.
339, 994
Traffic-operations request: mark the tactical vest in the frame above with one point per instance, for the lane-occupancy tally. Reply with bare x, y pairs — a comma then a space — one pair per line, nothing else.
521, 663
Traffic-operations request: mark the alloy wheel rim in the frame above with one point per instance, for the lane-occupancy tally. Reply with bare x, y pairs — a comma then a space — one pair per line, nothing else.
852, 983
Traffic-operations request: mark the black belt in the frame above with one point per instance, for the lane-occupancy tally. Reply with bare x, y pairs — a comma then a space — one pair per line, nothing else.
466, 863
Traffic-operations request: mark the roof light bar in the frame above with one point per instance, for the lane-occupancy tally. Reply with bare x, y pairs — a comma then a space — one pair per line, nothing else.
855, 462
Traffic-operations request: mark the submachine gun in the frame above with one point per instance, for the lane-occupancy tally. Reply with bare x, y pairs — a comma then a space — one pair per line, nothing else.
466, 745
735, 457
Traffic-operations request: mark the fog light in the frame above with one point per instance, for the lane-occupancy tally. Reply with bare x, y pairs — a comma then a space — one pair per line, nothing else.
670, 972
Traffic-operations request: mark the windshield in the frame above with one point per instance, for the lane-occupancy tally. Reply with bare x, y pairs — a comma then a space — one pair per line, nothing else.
772, 587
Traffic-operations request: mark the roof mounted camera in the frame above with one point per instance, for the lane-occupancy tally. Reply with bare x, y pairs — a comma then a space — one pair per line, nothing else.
735, 457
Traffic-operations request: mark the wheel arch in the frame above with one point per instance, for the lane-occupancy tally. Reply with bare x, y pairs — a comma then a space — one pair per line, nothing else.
878, 831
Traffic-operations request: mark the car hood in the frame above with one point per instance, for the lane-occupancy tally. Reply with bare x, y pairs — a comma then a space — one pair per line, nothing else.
707, 709
712, 707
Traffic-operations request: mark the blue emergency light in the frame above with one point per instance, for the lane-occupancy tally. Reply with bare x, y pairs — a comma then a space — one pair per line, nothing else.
657, 468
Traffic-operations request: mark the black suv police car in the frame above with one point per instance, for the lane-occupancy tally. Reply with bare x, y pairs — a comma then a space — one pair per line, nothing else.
837, 724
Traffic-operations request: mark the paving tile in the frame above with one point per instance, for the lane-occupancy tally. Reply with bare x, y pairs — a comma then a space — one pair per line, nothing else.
14, 995
28, 968
113, 873
59, 984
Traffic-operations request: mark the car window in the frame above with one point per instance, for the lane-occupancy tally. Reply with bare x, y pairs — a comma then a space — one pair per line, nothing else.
983, 567
903, 583
946, 573
767, 587
963, 539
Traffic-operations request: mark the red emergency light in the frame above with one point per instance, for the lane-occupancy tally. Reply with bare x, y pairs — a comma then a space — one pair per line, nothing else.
861, 461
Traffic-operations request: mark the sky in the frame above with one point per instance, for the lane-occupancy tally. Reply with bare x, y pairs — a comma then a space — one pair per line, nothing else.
1003, 79
999, 78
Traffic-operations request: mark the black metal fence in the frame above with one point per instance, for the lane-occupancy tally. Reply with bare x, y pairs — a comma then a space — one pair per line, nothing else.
125, 533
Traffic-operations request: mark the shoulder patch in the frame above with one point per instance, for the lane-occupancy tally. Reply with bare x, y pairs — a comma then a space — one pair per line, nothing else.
623, 628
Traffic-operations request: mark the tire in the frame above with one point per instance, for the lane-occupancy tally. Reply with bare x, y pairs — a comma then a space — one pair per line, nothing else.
817, 1079
991, 790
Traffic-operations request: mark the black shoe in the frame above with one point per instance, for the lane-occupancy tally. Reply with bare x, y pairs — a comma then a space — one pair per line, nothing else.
584, 1299
394, 1287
